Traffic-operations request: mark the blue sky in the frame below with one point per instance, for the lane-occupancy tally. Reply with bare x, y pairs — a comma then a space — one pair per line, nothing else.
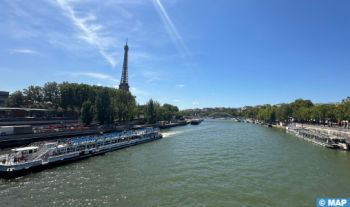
188, 53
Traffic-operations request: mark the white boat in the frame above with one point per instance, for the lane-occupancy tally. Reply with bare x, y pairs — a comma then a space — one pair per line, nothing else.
43, 154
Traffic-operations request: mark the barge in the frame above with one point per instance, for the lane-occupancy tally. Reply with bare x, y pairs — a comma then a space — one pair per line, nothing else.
39, 155
319, 138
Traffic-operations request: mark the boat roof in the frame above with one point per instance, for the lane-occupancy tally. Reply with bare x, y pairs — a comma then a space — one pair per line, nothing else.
24, 148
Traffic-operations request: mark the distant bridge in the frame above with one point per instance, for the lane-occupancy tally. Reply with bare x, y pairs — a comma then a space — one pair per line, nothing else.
220, 115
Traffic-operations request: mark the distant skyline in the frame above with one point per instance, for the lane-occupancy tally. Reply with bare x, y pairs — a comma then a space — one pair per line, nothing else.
192, 54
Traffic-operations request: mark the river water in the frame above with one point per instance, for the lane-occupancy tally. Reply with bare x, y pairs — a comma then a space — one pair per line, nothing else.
216, 163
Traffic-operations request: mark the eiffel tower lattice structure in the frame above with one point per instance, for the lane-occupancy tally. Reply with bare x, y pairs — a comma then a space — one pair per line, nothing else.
124, 85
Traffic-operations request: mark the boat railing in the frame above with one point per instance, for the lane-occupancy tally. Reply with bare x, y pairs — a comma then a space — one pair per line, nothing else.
10, 160
43, 150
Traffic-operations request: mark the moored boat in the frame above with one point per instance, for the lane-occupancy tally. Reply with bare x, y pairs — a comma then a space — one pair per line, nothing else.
48, 153
316, 137
195, 121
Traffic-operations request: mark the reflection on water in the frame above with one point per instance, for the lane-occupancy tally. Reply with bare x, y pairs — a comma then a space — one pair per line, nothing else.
216, 163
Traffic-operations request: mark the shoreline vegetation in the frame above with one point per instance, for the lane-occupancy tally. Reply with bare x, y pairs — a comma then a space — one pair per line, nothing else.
111, 105
91, 103
303, 111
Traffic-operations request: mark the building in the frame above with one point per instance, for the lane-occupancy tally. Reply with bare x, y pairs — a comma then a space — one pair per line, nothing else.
258, 106
346, 100
11, 112
124, 85
3, 97
328, 104
280, 104
248, 108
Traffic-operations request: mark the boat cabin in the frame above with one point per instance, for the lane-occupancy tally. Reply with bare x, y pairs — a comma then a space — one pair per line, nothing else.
25, 150
338, 140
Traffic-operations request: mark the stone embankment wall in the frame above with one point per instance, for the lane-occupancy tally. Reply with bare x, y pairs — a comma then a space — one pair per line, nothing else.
344, 133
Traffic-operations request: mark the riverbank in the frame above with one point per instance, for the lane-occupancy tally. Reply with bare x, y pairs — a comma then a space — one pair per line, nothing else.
276, 126
279, 126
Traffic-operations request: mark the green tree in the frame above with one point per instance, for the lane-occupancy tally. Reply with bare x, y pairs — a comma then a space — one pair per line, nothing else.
152, 111
315, 114
320, 112
168, 111
305, 113
51, 93
283, 113
340, 113
124, 106
103, 108
297, 104
331, 114
87, 112
17, 99
347, 112
262, 115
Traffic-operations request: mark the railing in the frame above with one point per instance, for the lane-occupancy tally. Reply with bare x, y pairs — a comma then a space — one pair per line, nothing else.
39, 153
43, 148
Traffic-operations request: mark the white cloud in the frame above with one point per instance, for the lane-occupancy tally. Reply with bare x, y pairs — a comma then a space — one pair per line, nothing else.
134, 90
93, 75
99, 84
175, 36
180, 86
22, 51
89, 32
195, 102
151, 76
113, 81
176, 100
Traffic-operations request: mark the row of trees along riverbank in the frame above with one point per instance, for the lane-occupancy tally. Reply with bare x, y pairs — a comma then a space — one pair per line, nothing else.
301, 110
102, 104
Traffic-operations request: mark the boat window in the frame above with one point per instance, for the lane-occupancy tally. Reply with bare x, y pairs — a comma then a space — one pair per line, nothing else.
34, 150
30, 151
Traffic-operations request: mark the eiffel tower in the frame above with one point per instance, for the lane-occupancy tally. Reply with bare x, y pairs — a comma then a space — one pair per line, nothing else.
124, 85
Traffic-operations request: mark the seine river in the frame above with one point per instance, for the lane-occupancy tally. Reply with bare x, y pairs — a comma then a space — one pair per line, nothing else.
216, 163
